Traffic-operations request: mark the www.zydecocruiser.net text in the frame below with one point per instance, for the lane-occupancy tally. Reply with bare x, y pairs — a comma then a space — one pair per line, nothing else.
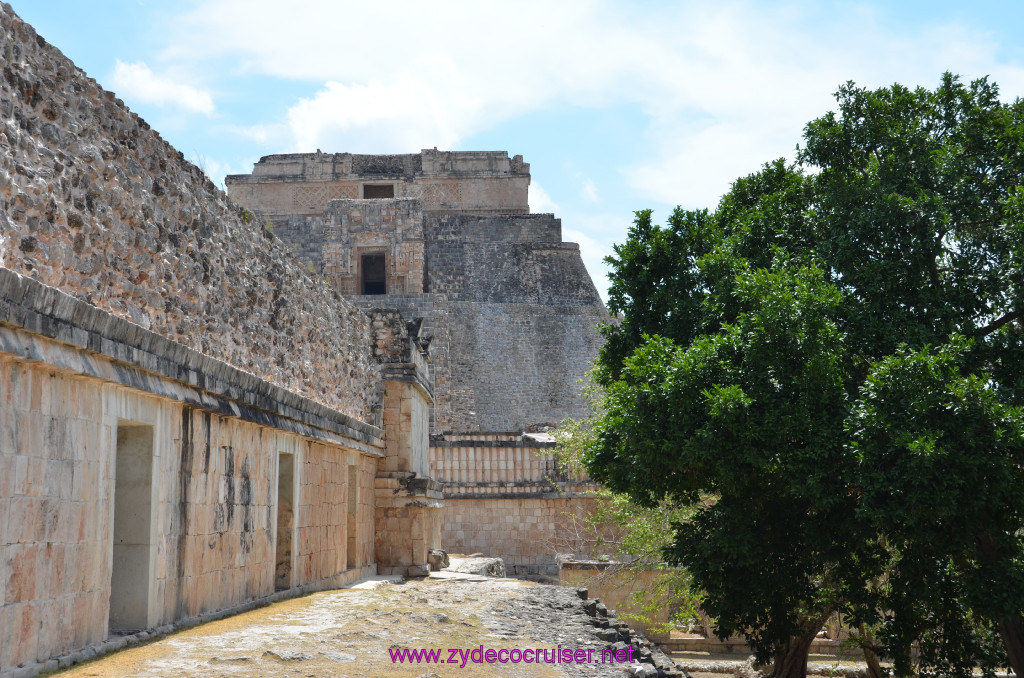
462, 656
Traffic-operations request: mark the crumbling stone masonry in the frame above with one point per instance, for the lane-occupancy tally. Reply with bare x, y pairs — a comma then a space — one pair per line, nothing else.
190, 422
508, 308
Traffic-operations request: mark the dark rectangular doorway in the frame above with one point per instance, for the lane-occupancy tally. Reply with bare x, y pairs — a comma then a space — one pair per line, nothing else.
378, 191
374, 274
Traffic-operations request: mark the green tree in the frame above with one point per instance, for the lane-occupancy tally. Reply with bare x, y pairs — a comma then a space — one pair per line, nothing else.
754, 361
939, 458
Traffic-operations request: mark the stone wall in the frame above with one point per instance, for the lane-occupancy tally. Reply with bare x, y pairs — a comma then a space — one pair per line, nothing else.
511, 309
431, 310
515, 366
526, 532
525, 228
514, 259
75, 382
505, 496
94, 202
212, 527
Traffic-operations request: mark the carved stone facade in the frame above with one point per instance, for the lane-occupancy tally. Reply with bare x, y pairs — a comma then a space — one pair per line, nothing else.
510, 306
302, 184
355, 232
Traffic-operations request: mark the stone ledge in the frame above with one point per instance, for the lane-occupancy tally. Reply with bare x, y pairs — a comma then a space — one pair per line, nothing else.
535, 444
411, 373
89, 341
552, 484
550, 494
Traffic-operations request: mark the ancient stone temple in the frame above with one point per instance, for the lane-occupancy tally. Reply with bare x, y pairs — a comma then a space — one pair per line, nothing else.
508, 309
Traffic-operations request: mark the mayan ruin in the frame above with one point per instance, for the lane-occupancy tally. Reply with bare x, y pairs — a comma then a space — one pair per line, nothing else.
507, 306
212, 400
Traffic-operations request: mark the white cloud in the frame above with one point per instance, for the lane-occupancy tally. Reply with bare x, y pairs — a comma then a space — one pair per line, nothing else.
216, 171
714, 89
260, 133
373, 118
138, 82
725, 86
540, 201
413, 75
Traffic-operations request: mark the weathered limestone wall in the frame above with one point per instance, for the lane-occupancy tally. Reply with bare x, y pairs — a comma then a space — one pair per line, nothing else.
511, 308
471, 228
73, 381
513, 324
302, 184
550, 274
504, 495
212, 526
432, 310
516, 366
94, 202
526, 533
322, 535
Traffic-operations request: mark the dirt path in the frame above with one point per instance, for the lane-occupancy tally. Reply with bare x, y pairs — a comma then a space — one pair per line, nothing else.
350, 632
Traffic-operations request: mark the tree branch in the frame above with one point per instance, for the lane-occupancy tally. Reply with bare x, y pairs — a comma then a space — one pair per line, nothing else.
999, 322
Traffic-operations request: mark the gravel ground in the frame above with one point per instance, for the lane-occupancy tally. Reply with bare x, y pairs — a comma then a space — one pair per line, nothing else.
349, 632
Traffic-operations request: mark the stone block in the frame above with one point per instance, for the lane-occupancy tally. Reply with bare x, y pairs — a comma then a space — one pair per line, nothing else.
22, 568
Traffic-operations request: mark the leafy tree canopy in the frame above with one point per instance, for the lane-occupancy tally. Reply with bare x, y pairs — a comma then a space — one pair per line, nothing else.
835, 354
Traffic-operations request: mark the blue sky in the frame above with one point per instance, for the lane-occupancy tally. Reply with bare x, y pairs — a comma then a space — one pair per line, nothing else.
617, 106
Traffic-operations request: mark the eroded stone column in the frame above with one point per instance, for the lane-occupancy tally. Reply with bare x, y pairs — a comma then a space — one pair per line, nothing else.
407, 501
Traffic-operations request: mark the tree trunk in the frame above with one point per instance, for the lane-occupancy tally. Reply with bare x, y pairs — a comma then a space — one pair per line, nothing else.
867, 645
874, 666
791, 661
1012, 632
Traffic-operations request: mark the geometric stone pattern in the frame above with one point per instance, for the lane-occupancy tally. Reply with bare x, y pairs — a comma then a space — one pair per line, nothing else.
302, 184
392, 227
314, 197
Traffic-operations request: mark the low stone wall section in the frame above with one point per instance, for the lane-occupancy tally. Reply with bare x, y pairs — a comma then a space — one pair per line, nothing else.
527, 533
71, 376
212, 500
505, 496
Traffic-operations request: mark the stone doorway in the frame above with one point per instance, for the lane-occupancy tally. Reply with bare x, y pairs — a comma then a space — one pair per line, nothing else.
131, 570
352, 525
285, 521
